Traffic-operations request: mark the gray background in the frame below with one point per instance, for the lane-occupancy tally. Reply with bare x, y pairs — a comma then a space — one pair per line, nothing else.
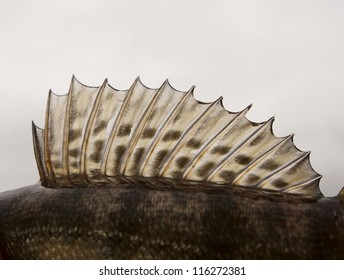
285, 57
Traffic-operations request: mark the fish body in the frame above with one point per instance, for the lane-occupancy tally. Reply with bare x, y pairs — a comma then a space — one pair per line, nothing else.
155, 174
187, 222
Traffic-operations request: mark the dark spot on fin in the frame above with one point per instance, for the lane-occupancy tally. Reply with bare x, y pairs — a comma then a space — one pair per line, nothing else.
119, 152
220, 150
227, 175
253, 179
74, 153
99, 127
171, 135
124, 130
148, 133
98, 147
194, 143
96, 156
243, 159
182, 162
137, 156
269, 165
161, 155
74, 134
205, 170
279, 183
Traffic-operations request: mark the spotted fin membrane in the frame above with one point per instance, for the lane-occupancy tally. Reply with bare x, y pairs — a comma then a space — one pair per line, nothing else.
94, 135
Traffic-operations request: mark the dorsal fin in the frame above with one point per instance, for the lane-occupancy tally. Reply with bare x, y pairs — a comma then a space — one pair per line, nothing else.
95, 134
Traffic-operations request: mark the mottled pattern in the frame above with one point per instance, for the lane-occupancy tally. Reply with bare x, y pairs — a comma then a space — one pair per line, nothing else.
164, 220
100, 132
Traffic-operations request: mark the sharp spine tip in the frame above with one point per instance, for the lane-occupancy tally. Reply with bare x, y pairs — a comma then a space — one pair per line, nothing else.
218, 100
106, 82
191, 90
166, 83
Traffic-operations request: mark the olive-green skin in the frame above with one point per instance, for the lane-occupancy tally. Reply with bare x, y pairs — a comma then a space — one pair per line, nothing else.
183, 222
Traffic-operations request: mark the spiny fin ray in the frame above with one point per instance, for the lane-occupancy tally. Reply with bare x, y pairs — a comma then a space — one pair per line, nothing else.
94, 135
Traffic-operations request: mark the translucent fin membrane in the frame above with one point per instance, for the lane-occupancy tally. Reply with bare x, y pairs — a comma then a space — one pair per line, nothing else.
97, 135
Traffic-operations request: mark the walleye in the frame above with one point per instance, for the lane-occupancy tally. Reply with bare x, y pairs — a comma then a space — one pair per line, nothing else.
155, 174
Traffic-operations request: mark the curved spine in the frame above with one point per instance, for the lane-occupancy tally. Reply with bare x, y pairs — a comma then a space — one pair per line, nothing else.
88, 131
115, 128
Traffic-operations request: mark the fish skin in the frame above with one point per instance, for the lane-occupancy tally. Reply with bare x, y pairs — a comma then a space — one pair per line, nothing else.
182, 222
